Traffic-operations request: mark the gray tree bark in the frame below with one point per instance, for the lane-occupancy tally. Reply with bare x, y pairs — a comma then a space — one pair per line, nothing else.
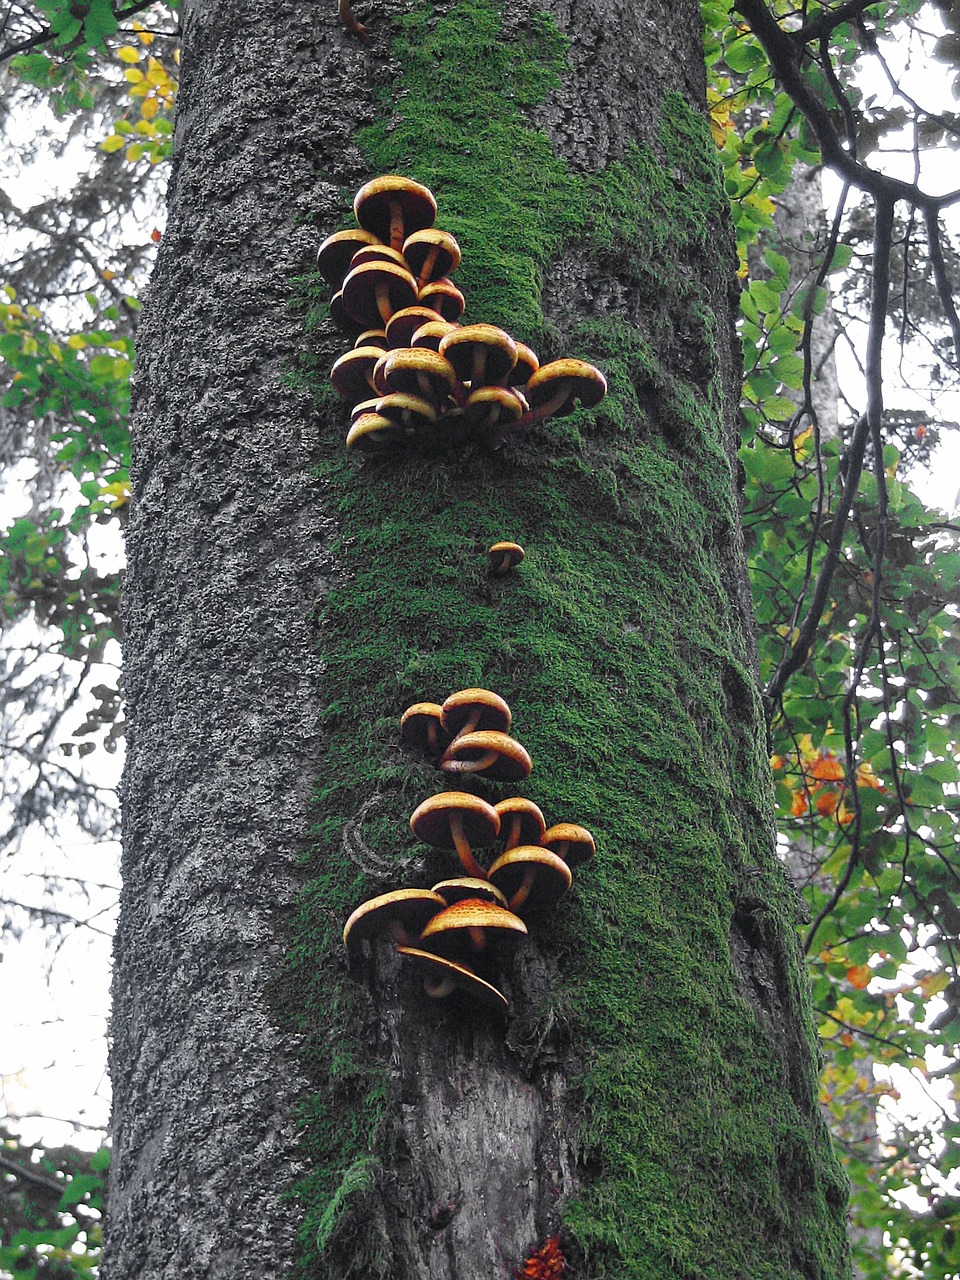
235, 1077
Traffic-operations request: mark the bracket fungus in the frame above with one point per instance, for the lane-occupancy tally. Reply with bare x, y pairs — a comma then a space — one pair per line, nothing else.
392, 273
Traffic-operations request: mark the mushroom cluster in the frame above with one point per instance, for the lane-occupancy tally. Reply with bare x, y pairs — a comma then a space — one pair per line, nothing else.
415, 374
461, 932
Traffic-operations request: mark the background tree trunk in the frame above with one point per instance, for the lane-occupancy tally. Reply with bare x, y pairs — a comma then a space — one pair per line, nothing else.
652, 1093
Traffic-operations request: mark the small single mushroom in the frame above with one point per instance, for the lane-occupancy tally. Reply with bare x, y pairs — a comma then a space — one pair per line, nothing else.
413, 413
372, 338
504, 556
378, 253
521, 821
344, 322
457, 820
422, 726
575, 845
556, 388
373, 291
401, 915
352, 374
373, 433
443, 296
432, 334
531, 877
471, 925
431, 254
482, 354
441, 977
489, 409
404, 324
470, 709
393, 208
526, 366
488, 753
364, 406
336, 253
461, 887
419, 372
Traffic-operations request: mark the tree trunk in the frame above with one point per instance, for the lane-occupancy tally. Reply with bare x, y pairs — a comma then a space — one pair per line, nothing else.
651, 1096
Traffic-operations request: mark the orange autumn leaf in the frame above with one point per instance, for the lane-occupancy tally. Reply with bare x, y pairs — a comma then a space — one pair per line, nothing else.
827, 802
827, 769
859, 975
798, 806
777, 762
846, 1039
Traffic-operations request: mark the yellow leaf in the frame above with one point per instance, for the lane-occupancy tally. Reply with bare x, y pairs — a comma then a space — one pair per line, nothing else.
931, 984
144, 127
133, 75
134, 152
76, 342
113, 143
56, 352
29, 346
128, 54
119, 491
149, 108
109, 275
157, 72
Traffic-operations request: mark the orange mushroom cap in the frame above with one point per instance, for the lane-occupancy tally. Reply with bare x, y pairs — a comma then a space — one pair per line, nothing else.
504, 556
532, 878
422, 726
393, 207
521, 821
442, 977
373, 433
335, 254
574, 844
443, 295
461, 887
470, 709
406, 911
469, 925
488, 754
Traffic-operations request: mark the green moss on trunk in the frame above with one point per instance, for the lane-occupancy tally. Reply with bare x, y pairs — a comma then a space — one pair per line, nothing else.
616, 646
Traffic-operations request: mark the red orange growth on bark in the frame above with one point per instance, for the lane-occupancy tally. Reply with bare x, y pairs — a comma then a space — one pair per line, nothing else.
546, 1264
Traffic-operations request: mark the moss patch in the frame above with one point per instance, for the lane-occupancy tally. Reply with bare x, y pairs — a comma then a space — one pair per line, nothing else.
615, 647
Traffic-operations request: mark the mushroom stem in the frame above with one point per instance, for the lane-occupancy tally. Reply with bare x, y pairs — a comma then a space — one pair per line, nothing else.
384, 305
523, 892
479, 367
513, 835
429, 262
399, 934
556, 401
478, 938
465, 853
439, 987
471, 766
561, 848
396, 226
